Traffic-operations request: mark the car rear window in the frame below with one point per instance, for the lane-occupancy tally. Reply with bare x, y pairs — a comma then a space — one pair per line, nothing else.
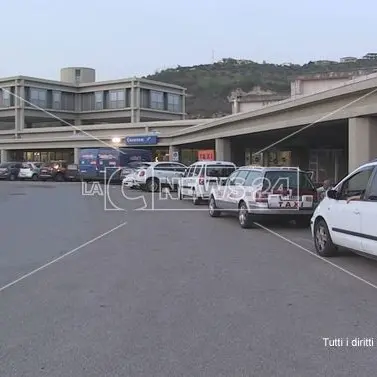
138, 165
288, 180
219, 171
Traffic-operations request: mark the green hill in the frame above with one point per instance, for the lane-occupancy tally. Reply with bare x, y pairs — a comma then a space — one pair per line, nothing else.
209, 85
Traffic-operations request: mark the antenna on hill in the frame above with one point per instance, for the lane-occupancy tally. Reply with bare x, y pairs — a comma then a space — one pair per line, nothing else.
213, 56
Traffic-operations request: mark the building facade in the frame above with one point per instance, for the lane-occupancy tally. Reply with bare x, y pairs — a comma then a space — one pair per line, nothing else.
253, 100
78, 99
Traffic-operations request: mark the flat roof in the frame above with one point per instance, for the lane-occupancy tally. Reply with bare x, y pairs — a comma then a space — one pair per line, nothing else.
95, 83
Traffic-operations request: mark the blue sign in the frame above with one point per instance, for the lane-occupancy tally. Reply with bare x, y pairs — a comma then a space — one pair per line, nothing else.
141, 140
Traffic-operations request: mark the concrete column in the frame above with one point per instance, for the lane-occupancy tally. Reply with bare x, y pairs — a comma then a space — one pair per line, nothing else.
223, 149
76, 155
183, 99
174, 154
362, 141
19, 107
135, 102
3, 155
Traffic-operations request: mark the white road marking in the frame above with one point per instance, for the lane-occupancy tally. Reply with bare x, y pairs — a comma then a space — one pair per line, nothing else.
307, 240
302, 248
11, 284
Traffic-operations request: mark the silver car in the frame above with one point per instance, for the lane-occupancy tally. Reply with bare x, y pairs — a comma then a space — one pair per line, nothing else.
30, 170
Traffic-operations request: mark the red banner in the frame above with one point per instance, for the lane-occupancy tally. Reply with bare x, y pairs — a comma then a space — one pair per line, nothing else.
206, 154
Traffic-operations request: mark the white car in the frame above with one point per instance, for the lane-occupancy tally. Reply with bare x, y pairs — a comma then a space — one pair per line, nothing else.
159, 174
255, 193
200, 178
29, 170
347, 216
129, 174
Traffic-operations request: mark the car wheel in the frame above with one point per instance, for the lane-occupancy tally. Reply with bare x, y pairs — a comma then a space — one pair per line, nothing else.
244, 216
322, 239
213, 210
195, 198
153, 185
34, 177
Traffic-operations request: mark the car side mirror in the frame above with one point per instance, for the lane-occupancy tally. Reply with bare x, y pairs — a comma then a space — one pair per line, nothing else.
332, 194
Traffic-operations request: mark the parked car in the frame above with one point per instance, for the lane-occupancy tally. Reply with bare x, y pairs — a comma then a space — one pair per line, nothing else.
201, 177
72, 173
53, 170
128, 174
160, 174
10, 170
132, 167
256, 193
30, 170
346, 217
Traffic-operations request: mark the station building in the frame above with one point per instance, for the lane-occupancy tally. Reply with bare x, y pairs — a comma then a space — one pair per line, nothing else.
32, 106
327, 124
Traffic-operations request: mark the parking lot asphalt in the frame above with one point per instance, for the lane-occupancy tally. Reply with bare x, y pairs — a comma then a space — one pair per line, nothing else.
170, 291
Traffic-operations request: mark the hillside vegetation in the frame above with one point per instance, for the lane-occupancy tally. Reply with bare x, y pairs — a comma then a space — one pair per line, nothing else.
209, 85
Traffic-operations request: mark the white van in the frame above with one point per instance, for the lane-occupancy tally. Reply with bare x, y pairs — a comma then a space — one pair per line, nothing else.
201, 177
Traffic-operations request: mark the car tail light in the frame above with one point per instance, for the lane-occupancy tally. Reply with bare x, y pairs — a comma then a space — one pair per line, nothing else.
261, 197
201, 180
142, 173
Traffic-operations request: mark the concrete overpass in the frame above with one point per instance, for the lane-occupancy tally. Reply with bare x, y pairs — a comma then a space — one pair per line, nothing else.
355, 103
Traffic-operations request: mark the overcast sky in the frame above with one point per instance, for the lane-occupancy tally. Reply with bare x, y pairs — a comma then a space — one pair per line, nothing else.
123, 38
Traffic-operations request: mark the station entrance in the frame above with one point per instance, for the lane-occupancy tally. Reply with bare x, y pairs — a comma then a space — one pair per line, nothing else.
321, 149
42, 155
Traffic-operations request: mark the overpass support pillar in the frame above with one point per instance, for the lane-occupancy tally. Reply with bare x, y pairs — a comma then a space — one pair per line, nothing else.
174, 153
223, 149
362, 141
76, 155
4, 155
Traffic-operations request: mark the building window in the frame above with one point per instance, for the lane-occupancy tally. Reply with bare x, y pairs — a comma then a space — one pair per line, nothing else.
117, 99
38, 97
68, 101
145, 99
174, 103
98, 101
78, 75
157, 100
5, 97
56, 100
87, 102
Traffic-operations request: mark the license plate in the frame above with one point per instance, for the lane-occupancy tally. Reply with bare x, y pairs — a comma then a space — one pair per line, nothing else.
288, 204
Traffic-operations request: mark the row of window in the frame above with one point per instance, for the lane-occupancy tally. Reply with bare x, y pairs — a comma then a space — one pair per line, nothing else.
161, 101
6, 97
112, 99
108, 99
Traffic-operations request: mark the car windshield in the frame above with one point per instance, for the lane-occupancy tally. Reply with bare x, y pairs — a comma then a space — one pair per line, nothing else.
288, 180
25, 165
218, 171
72, 167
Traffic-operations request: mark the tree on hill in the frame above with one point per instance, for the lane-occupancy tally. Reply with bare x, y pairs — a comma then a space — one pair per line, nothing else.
209, 85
